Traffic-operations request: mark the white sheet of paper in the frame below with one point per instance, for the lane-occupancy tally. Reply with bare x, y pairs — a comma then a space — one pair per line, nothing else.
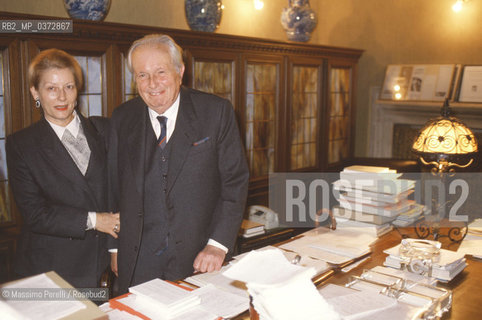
116, 314
195, 313
357, 304
331, 246
219, 280
472, 244
162, 292
268, 267
43, 309
220, 302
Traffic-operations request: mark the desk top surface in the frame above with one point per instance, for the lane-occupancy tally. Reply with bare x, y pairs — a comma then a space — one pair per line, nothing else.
467, 299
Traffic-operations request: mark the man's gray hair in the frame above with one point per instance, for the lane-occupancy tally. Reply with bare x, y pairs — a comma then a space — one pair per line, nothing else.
175, 51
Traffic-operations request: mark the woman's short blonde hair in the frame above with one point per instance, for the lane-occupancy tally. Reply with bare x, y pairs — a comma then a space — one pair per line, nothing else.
53, 59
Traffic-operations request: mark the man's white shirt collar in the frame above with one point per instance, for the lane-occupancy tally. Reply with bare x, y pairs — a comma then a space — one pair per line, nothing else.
170, 114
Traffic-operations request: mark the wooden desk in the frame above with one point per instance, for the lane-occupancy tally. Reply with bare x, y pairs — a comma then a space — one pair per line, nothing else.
467, 299
270, 237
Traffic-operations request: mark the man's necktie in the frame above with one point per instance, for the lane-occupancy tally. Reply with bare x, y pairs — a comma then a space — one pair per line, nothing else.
78, 149
162, 141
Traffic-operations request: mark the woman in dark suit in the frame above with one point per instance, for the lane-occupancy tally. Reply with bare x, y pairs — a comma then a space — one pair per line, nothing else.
57, 172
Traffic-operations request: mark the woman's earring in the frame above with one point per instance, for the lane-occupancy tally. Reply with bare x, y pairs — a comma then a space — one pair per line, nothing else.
37, 103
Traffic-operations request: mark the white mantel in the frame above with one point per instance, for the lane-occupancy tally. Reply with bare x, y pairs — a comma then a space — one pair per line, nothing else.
385, 114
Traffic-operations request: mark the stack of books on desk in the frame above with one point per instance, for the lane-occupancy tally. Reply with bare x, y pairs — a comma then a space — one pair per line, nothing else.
444, 268
250, 228
373, 195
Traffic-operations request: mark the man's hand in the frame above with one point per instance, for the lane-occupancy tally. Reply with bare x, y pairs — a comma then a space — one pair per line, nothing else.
108, 223
113, 263
209, 259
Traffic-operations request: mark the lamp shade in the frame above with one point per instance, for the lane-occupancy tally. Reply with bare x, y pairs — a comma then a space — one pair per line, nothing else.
445, 137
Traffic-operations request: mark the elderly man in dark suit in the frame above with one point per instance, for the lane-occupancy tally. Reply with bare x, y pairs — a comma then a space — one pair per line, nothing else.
179, 173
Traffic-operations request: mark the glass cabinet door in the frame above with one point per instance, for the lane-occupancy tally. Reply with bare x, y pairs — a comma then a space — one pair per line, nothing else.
215, 77
339, 110
304, 123
261, 97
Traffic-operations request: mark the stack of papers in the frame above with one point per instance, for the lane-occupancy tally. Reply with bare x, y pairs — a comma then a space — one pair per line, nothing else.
166, 299
373, 194
279, 289
472, 243
333, 246
163, 300
444, 268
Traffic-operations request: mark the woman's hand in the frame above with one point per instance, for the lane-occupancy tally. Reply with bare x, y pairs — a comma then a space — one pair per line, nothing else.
108, 223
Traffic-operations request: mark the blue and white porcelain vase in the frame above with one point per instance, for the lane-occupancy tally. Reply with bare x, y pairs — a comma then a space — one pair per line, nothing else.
87, 9
203, 15
298, 20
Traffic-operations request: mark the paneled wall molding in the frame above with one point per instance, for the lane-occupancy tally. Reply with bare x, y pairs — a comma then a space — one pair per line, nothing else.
122, 33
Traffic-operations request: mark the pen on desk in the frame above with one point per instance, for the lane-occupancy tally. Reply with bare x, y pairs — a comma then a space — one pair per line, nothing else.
200, 141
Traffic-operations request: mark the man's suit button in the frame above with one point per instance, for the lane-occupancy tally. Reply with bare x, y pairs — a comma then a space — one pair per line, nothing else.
165, 190
139, 214
135, 249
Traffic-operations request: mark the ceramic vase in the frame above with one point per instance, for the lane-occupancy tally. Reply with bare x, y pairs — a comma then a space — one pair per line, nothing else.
87, 9
203, 15
298, 20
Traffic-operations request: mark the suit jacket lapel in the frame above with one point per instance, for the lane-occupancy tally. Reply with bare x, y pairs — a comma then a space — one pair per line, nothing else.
58, 157
136, 143
184, 136
98, 153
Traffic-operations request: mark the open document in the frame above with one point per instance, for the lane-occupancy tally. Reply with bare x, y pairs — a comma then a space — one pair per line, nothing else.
337, 246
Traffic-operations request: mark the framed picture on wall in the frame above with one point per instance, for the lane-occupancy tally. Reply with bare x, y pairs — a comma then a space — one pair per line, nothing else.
471, 84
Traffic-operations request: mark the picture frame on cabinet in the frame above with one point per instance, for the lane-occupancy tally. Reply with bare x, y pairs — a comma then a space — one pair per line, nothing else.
471, 84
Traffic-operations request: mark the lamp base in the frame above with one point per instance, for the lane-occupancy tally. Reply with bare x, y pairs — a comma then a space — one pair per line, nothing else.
455, 231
